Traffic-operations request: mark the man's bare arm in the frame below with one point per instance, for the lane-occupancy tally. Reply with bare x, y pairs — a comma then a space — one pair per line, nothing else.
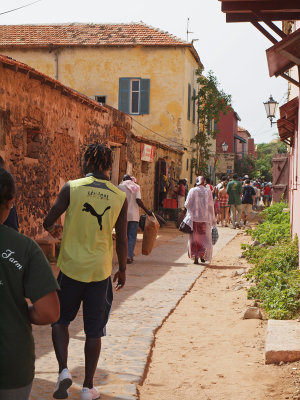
141, 204
121, 246
45, 310
59, 207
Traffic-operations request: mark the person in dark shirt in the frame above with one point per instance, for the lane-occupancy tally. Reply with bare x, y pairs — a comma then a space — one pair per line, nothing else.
234, 189
24, 273
12, 220
248, 200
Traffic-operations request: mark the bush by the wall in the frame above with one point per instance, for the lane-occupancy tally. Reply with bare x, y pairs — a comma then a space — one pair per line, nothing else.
275, 274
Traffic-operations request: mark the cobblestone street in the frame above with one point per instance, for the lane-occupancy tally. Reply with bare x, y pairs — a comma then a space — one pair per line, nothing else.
155, 284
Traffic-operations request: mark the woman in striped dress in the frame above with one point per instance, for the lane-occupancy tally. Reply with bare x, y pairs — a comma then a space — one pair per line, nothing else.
224, 206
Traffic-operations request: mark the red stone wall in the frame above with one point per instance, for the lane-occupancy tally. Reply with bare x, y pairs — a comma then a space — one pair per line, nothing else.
42, 131
227, 127
251, 148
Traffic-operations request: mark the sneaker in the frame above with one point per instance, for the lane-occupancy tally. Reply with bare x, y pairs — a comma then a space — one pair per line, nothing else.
89, 394
63, 383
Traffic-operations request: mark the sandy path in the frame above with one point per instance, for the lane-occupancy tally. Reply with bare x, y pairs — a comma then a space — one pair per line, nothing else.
205, 350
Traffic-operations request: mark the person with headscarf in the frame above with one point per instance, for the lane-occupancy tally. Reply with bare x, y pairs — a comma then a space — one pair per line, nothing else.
133, 195
200, 209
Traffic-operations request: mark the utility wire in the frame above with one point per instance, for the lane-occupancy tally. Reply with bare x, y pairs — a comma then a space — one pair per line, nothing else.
158, 134
18, 8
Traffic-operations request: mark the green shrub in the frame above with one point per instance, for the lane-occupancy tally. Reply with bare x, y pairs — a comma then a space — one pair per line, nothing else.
276, 225
275, 274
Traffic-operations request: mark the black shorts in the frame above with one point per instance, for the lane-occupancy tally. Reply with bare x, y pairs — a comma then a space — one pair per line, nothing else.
96, 298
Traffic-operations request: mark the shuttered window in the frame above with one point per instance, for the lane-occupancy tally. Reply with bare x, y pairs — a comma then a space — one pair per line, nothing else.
194, 105
134, 95
189, 102
215, 126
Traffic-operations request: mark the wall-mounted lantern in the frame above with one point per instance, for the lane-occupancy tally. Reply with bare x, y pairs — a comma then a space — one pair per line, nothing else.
224, 147
271, 108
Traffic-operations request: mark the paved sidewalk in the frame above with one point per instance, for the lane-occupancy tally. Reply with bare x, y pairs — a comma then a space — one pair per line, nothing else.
155, 284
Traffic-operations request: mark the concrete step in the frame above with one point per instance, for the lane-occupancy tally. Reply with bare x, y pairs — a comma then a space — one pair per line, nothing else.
283, 341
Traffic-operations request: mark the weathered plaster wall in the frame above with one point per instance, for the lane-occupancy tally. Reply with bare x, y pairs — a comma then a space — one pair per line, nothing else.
226, 163
145, 171
42, 133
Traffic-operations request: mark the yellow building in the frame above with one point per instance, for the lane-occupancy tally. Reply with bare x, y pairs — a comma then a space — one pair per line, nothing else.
145, 72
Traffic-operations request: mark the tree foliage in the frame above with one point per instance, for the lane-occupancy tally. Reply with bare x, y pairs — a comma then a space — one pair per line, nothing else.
265, 153
244, 166
210, 103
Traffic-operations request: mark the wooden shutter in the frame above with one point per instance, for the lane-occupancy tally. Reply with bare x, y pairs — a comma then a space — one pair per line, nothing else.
124, 91
189, 102
215, 126
145, 96
194, 105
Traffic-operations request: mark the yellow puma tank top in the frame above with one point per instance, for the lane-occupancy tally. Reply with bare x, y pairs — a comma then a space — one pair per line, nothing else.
87, 249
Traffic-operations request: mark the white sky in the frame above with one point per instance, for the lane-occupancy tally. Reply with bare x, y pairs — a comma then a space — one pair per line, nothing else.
235, 52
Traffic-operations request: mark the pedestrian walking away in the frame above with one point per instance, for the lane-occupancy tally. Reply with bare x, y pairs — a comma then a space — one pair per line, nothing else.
181, 194
200, 211
93, 207
248, 200
24, 273
234, 189
133, 195
267, 194
224, 206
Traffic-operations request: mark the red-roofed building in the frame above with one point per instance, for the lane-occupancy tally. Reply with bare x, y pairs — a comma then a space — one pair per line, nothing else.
232, 142
140, 70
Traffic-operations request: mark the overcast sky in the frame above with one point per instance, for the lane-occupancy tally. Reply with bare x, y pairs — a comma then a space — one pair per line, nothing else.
234, 52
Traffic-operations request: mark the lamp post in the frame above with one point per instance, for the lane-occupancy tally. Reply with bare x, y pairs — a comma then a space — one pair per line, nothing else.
224, 147
271, 108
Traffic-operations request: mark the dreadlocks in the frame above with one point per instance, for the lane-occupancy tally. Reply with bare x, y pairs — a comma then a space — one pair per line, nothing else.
96, 157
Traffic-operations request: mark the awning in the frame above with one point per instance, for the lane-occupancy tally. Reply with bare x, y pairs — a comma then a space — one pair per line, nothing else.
272, 10
284, 54
287, 124
240, 138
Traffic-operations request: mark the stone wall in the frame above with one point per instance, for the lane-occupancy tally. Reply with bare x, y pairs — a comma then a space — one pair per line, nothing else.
43, 127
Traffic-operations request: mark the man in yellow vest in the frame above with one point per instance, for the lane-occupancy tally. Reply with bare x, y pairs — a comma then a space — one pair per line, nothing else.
93, 207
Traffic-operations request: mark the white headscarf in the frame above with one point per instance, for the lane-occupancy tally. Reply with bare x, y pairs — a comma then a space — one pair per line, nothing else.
131, 185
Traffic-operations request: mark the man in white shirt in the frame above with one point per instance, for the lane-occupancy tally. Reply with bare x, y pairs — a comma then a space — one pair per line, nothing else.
133, 194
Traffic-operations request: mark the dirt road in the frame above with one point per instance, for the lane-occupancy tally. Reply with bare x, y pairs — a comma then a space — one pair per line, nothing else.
206, 351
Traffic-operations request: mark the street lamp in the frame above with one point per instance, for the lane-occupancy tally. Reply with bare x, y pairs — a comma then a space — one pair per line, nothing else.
224, 147
271, 108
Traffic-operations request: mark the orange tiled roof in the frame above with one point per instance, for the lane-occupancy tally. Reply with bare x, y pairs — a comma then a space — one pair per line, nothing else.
96, 35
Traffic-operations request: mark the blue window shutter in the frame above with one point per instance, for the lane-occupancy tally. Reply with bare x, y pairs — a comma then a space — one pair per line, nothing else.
189, 102
145, 96
215, 126
194, 105
124, 91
